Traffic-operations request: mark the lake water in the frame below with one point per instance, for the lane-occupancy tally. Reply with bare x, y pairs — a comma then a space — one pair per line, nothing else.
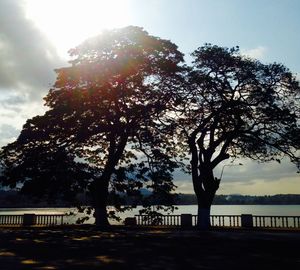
264, 210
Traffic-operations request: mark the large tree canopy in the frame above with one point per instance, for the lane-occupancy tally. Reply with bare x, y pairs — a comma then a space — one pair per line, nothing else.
104, 108
234, 106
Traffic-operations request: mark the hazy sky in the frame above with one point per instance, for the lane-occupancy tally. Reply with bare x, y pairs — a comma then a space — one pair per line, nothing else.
35, 36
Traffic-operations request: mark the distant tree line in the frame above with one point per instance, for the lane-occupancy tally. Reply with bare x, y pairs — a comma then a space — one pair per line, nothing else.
278, 199
14, 199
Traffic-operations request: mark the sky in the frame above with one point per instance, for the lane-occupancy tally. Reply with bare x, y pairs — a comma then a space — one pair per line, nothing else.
36, 35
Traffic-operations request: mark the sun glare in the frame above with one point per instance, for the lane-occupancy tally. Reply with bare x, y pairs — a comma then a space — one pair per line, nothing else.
68, 22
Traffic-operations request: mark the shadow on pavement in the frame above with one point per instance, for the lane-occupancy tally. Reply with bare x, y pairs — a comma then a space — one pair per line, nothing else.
87, 248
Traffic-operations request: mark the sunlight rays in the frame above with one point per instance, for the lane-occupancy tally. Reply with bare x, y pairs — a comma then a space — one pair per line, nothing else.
67, 23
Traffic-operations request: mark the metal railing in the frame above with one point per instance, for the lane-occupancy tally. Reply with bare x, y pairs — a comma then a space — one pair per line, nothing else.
276, 221
163, 220
32, 219
175, 220
50, 220
253, 221
224, 221
11, 219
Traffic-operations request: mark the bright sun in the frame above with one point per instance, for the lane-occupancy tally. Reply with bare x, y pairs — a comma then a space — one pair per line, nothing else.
68, 22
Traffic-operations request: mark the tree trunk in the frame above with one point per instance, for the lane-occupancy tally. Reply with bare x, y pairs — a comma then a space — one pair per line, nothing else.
203, 217
100, 196
101, 219
204, 200
100, 186
205, 190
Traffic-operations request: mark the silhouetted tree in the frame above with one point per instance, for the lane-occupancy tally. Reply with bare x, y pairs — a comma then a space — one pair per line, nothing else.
104, 108
234, 106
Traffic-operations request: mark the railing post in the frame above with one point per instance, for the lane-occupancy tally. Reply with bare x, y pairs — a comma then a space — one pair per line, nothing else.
130, 221
247, 220
186, 220
29, 219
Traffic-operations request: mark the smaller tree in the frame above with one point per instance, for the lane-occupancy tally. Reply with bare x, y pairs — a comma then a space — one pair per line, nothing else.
234, 106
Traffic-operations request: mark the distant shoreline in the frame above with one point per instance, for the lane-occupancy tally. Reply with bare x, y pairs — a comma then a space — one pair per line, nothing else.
11, 199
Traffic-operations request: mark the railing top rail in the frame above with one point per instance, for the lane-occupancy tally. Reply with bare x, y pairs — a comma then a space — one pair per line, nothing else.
224, 215
273, 216
276, 216
159, 215
59, 215
21, 215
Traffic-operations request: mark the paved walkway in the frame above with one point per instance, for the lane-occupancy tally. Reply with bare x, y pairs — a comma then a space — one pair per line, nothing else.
87, 248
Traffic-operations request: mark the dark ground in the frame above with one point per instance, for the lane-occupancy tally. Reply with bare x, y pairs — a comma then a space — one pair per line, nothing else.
119, 248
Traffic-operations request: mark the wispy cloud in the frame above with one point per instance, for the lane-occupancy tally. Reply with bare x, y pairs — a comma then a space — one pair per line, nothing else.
25, 50
27, 61
7, 134
286, 185
257, 53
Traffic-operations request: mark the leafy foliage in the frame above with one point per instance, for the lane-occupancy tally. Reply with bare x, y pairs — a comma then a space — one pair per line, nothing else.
242, 105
